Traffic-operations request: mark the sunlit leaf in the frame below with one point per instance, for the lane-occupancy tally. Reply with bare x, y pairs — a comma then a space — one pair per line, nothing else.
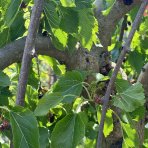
60, 38
100, 77
68, 3
108, 124
107, 11
88, 37
130, 137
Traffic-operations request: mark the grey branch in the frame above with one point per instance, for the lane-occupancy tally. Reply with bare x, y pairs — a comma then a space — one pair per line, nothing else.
143, 79
13, 52
107, 24
29, 46
118, 65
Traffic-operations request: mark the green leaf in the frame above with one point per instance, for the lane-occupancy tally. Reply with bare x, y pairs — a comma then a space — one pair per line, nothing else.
145, 143
68, 3
87, 33
138, 63
130, 99
4, 94
44, 137
69, 21
68, 132
100, 77
54, 64
4, 36
67, 88
4, 80
122, 85
116, 51
138, 114
48, 101
51, 14
91, 130
17, 28
81, 4
107, 11
24, 128
72, 41
130, 138
31, 97
4, 6
70, 85
59, 38
108, 124
144, 44
14, 31
12, 11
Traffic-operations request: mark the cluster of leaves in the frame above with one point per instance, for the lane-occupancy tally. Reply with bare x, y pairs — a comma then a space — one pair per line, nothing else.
65, 21
63, 116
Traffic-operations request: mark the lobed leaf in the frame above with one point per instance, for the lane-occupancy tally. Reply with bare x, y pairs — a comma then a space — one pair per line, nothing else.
130, 99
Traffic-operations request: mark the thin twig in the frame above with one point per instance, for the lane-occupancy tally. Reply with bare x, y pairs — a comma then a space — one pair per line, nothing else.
29, 46
118, 65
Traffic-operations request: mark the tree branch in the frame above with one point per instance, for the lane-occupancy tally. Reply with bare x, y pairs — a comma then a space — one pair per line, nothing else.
107, 24
13, 52
143, 79
29, 46
118, 65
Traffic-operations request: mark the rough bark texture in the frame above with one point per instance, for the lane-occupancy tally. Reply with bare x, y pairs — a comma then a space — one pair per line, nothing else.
13, 52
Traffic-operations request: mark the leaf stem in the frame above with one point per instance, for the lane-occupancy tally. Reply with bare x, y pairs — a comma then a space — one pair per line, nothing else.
87, 92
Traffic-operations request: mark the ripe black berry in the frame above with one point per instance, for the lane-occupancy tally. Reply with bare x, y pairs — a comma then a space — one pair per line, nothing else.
127, 2
23, 5
45, 33
129, 23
